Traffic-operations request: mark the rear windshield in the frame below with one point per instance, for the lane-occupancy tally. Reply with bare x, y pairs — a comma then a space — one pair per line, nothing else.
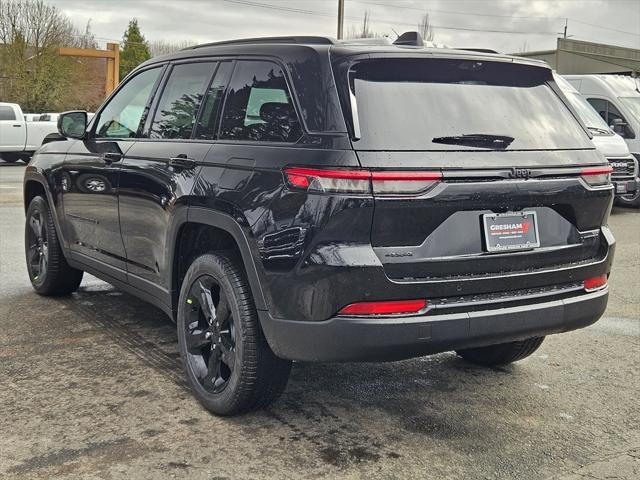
443, 104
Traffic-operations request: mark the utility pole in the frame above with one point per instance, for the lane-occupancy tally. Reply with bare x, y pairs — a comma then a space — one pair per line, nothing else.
340, 19
566, 24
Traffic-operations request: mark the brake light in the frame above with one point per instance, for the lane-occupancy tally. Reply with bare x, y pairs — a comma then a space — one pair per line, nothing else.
360, 181
321, 180
595, 283
597, 176
393, 307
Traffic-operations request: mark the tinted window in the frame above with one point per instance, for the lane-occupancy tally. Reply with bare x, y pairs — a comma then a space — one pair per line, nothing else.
207, 124
7, 113
121, 117
176, 113
599, 106
610, 113
258, 105
437, 104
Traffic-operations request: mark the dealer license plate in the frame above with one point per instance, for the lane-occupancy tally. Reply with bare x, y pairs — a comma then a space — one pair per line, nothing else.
511, 231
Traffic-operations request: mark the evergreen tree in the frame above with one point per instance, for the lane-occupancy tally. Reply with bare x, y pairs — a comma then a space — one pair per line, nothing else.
135, 49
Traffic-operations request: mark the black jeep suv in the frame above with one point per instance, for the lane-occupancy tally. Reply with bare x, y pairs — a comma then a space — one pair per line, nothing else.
306, 199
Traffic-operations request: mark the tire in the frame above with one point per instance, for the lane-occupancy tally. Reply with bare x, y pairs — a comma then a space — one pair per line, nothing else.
632, 201
227, 361
49, 272
10, 157
502, 353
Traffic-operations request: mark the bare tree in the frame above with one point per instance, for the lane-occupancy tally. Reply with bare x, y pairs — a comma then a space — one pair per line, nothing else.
426, 29
162, 47
31, 32
364, 31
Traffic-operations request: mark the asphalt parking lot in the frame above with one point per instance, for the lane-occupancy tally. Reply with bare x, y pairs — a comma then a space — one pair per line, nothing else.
91, 387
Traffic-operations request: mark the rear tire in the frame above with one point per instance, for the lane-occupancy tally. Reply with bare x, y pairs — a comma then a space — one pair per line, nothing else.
227, 361
502, 353
49, 272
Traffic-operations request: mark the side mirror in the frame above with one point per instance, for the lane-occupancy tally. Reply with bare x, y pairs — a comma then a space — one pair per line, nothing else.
73, 124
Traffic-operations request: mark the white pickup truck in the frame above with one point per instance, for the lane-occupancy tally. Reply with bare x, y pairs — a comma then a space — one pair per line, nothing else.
19, 138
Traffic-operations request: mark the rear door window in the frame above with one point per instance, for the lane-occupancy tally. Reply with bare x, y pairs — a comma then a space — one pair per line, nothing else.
207, 125
259, 106
175, 115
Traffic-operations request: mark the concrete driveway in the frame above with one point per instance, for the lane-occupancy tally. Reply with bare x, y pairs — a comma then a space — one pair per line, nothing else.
92, 387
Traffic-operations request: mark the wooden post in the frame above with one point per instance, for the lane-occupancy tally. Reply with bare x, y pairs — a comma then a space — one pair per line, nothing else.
112, 54
113, 69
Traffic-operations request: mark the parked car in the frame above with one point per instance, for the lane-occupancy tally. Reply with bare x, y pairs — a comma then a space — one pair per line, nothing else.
31, 117
49, 117
18, 137
610, 144
300, 198
617, 99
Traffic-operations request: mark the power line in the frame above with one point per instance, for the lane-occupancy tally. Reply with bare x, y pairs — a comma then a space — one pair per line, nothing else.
425, 9
387, 22
429, 10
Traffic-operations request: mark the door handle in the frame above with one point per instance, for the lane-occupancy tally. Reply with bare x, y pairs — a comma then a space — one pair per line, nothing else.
182, 161
17, 126
109, 158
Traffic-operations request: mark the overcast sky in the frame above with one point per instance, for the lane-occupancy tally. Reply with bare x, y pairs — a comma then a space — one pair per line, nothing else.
529, 24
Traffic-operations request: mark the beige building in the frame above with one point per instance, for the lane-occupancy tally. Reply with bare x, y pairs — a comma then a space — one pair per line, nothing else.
578, 57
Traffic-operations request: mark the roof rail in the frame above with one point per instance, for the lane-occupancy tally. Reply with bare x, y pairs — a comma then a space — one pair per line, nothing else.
252, 41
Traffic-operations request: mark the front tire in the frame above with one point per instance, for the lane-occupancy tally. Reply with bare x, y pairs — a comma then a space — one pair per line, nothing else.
49, 272
632, 201
227, 361
502, 353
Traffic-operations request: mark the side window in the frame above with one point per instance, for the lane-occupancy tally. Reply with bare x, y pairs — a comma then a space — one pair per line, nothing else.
259, 106
121, 117
7, 113
176, 113
208, 120
600, 107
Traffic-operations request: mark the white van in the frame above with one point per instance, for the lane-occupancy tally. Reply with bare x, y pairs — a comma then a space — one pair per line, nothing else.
611, 145
617, 99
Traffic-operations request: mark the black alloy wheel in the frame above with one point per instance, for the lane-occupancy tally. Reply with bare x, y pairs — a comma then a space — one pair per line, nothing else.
227, 361
37, 245
48, 270
210, 335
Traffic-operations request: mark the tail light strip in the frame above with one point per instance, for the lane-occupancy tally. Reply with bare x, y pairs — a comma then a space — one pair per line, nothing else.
360, 180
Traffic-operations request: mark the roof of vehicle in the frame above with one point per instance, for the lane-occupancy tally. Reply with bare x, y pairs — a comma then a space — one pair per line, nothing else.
283, 47
617, 85
312, 76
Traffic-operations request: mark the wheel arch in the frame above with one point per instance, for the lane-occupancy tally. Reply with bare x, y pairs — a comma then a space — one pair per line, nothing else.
35, 183
228, 235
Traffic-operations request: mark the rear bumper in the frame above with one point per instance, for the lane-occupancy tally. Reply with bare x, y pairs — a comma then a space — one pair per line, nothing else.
394, 338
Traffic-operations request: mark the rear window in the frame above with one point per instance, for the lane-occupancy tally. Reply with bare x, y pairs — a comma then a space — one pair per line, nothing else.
443, 104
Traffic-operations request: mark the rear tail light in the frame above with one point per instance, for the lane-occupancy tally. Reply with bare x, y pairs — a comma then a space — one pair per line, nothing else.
360, 181
595, 283
597, 176
321, 180
403, 183
393, 307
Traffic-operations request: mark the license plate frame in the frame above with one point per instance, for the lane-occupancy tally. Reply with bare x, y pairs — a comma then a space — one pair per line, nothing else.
513, 231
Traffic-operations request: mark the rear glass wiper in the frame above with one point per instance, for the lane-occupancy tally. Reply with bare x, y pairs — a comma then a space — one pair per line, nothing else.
499, 142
